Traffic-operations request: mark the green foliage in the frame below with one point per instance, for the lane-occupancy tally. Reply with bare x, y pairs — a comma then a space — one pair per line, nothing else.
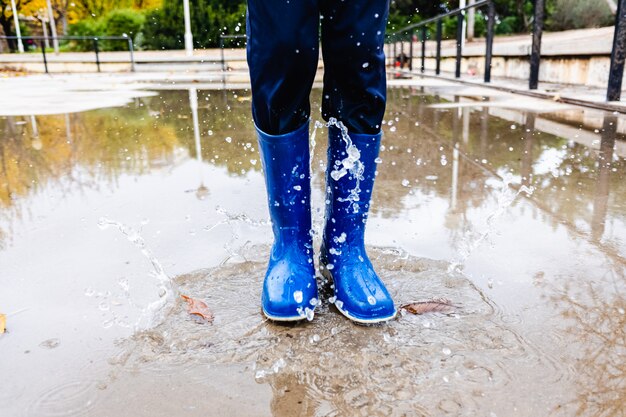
114, 23
120, 22
579, 14
87, 27
163, 28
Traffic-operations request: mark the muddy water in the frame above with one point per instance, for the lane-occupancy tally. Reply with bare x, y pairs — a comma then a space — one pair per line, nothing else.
517, 217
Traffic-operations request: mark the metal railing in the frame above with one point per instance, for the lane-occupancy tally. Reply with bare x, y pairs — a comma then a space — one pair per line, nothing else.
618, 51
95, 40
616, 69
222, 46
400, 35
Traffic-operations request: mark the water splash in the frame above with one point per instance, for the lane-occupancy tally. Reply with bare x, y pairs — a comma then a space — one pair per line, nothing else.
504, 199
350, 164
153, 314
316, 126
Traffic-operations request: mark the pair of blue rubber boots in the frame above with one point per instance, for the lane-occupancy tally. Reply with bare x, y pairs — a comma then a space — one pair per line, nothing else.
290, 289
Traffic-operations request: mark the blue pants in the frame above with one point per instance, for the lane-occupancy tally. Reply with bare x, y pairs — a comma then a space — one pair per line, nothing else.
283, 43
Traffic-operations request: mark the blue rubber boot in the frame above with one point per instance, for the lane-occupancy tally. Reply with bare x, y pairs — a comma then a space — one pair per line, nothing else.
360, 294
289, 289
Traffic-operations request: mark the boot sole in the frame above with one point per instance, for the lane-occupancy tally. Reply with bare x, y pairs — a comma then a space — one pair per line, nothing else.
366, 321
328, 275
283, 319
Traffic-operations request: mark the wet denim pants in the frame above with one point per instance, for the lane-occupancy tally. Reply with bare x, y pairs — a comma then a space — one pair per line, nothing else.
283, 43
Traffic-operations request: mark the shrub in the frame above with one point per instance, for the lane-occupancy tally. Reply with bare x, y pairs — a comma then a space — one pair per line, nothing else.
87, 27
164, 27
579, 14
122, 22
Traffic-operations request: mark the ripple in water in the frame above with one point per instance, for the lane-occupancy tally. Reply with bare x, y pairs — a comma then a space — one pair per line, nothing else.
459, 363
76, 398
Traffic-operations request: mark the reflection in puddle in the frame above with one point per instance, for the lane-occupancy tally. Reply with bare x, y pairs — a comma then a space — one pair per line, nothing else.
539, 274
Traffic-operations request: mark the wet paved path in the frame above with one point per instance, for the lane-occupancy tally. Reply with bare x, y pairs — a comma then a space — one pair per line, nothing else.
516, 216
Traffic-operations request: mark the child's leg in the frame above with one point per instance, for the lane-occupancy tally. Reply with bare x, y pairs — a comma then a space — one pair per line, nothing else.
354, 93
353, 34
282, 56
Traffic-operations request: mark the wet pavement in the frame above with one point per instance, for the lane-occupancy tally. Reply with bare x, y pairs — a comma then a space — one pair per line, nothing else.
513, 209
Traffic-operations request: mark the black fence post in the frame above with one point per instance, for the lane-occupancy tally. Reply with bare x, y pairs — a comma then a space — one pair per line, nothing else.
535, 56
423, 66
438, 53
395, 50
43, 52
131, 50
616, 70
95, 48
412, 35
491, 16
460, 19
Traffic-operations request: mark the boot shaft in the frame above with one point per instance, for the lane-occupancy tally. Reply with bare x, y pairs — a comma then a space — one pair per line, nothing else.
350, 176
285, 161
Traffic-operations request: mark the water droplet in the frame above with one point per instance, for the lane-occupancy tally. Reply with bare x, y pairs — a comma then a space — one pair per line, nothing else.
297, 187
446, 351
371, 300
297, 295
405, 183
309, 313
365, 64
228, 139
340, 239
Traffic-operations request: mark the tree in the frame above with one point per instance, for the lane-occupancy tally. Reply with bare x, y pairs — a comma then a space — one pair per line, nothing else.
163, 28
6, 19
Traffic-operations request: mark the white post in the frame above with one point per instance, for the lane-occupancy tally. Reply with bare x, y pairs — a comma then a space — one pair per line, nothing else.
188, 35
471, 17
53, 28
18, 32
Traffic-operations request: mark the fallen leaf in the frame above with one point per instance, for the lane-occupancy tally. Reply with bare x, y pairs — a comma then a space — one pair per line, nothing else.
436, 305
198, 308
3, 323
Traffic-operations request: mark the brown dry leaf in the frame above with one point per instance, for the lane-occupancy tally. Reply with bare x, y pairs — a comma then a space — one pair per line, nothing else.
198, 308
3, 323
436, 305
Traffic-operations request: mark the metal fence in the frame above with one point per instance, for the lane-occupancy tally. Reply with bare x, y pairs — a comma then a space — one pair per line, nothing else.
229, 38
408, 33
94, 40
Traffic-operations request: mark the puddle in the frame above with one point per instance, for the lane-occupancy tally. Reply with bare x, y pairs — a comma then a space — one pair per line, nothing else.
517, 217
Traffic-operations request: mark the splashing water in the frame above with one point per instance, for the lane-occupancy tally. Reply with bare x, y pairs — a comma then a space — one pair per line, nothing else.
316, 126
505, 199
155, 312
351, 163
